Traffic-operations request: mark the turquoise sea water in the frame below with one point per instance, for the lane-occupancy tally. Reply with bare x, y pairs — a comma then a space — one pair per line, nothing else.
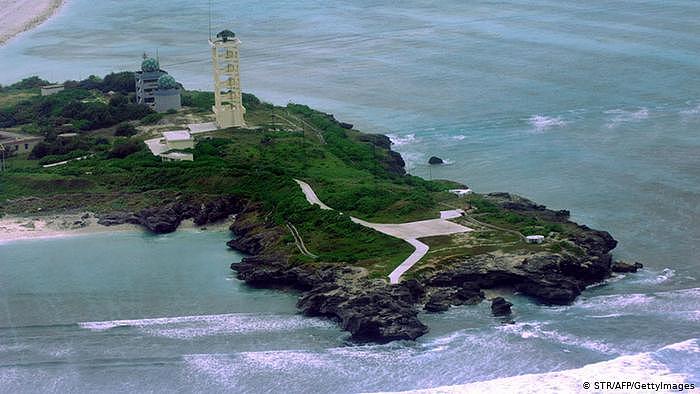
591, 106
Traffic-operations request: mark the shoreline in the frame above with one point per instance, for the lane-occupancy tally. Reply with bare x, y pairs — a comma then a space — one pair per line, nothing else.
14, 228
20, 16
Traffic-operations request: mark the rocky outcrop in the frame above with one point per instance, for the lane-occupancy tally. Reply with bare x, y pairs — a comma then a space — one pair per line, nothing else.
166, 218
435, 160
391, 161
547, 277
370, 311
500, 307
621, 266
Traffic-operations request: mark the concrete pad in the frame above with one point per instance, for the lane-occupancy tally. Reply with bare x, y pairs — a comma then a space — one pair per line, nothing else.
451, 214
156, 146
420, 229
196, 128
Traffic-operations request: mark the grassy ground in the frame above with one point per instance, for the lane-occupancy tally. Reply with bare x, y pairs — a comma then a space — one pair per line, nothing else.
348, 173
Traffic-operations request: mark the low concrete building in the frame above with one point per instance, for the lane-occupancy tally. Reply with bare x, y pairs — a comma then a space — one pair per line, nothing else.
534, 239
48, 90
18, 143
461, 192
178, 140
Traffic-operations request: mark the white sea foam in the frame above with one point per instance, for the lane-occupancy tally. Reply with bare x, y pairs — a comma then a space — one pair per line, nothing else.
642, 367
458, 137
619, 116
205, 325
539, 331
691, 112
664, 276
542, 123
399, 140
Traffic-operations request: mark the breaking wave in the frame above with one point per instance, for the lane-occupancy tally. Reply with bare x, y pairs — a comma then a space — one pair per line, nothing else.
642, 367
399, 140
205, 325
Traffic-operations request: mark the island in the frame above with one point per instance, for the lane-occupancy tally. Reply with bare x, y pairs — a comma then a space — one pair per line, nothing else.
316, 206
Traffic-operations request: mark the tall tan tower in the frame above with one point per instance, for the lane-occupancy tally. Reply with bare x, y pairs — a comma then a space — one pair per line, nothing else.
228, 101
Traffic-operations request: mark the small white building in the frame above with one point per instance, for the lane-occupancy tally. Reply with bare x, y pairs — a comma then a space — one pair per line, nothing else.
461, 192
535, 239
48, 90
178, 140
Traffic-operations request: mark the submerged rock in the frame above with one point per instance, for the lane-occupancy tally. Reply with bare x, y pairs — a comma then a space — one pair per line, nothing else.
435, 160
500, 307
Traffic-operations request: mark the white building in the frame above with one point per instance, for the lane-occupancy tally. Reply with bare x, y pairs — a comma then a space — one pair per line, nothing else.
48, 90
461, 192
535, 239
178, 140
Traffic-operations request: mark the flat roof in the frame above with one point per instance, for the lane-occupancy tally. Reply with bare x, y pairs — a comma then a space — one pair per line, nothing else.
178, 135
52, 86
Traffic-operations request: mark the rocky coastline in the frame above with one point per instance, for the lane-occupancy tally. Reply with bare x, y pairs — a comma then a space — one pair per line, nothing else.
372, 309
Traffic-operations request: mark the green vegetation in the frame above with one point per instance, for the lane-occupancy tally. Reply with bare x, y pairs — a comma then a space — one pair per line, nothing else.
353, 172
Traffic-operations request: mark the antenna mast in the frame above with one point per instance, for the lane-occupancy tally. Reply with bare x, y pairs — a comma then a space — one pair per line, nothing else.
209, 19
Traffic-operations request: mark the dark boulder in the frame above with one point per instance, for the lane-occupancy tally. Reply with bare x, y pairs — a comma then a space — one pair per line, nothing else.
439, 302
346, 125
435, 160
621, 266
500, 307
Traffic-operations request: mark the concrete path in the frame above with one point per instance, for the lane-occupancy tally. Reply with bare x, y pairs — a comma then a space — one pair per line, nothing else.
409, 232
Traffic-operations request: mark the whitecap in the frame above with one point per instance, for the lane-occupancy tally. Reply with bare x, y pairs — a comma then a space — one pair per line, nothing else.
542, 123
691, 112
458, 137
623, 116
184, 327
538, 331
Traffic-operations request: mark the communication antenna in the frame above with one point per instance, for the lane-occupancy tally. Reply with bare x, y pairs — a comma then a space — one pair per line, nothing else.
209, 20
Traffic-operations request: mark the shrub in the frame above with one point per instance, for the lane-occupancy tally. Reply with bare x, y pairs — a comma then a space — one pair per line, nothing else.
125, 130
151, 118
124, 149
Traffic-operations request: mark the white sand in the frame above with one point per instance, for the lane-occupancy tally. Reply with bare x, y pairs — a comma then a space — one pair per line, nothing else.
17, 16
13, 228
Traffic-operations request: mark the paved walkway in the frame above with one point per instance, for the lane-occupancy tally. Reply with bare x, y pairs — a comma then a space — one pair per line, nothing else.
409, 232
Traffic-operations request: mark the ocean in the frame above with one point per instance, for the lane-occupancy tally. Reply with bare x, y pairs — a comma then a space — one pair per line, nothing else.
589, 106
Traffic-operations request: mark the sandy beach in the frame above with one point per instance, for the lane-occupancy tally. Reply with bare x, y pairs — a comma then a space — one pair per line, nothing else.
17, 16
16, 228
